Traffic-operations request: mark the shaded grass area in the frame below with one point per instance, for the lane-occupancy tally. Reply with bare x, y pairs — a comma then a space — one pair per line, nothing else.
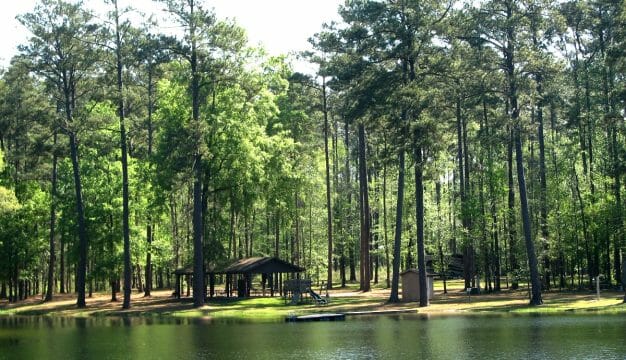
348, 299
517, 302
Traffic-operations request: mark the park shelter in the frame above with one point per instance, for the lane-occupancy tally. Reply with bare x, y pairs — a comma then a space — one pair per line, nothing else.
179, 273
243, 271
411, 285
246, 268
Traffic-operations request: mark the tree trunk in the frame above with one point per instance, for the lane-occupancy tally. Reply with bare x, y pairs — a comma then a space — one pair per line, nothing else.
585, 225
351, 260
148, 270
232, 246
62, 266
624, 276
124, 149
393, 297
385, 236
530, 247
198, 255
462, 164
329, 212
513, 264
497, 272
53, 211
365, 212
618, 240
543, 192
442, 263
198, 258
277, 244
149, 235
419, 215
375, 245
81, 271
512, 94
113, 284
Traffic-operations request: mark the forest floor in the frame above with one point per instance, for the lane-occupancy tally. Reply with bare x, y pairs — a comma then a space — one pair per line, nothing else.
349, 299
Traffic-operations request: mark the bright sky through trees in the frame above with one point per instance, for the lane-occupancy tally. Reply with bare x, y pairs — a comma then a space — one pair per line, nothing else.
280, 25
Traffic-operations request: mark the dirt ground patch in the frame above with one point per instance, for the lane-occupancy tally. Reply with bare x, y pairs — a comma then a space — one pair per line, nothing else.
161, 303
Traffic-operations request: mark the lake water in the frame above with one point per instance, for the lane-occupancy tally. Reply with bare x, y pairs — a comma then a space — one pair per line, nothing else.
368, 337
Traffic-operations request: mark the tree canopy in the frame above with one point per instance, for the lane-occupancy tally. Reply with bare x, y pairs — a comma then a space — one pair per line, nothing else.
479, 140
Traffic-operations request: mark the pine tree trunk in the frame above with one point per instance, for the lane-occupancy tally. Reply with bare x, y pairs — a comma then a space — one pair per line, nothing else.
467, 276
543, 192
385, 236
351, 259
53, 211
124, 148
81, 271
512, 227
526, 225
148, 270
365, 212
198, 255
393, 297
149, 235
530, 247
497, 271
419, 215
329, 211
624, 276
585, 225
198, 258
375, 244
618, 241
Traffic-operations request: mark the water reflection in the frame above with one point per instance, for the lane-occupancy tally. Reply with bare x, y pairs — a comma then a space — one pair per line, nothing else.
391, 337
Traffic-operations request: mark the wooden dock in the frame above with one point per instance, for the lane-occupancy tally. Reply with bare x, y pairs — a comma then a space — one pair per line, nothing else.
316, 317
382, 312
342, 316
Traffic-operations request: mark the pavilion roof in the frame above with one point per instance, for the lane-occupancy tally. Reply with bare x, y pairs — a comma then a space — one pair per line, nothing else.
252, 265
260, 265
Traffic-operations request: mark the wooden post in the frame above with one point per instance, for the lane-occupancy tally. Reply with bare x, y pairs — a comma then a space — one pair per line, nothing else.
212, 284
263, 280
176, 286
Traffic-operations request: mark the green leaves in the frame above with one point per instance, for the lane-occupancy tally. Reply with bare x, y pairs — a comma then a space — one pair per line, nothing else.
8, 201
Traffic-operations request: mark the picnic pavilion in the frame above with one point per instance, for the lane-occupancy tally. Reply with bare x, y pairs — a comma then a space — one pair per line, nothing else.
238, 276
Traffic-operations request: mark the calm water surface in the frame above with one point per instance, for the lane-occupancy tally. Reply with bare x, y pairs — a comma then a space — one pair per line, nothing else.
372, 337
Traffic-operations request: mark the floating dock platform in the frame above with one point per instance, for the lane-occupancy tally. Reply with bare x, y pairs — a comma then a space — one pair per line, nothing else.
316, 317
383, 312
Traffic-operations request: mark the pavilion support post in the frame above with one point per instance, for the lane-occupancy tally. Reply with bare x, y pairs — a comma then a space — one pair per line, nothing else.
212, 284
177, 291
263, 281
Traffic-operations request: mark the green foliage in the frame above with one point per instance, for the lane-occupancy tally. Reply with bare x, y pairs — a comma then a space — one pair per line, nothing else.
8, 201
418, 75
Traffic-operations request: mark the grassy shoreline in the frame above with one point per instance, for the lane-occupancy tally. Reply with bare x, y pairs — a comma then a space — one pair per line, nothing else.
161, 304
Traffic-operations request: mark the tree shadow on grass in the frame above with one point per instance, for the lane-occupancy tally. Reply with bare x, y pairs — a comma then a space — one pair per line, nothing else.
554, 304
